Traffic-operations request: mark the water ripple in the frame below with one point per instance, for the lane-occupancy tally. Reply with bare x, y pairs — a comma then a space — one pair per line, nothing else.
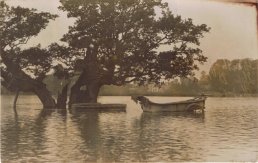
226, 132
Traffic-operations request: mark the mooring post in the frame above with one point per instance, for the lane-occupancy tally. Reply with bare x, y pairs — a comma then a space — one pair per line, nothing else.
15, 100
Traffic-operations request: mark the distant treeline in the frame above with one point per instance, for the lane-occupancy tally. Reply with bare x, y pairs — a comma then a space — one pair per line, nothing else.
236, 77
225, 78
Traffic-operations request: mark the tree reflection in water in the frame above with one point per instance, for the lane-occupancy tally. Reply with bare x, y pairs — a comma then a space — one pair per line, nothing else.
158, 137
110, 137
36, 135
24, 136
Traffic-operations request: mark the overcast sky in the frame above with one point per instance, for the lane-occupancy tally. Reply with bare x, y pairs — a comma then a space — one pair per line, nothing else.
233, 32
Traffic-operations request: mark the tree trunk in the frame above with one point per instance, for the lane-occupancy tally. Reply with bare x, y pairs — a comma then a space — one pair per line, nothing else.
62, 98
77, 95
93, 92
16, 79
90, 95
86, 88
45, 97
15, 99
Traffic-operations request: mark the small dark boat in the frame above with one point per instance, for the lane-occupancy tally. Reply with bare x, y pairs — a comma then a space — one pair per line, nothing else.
98, 106
197, 103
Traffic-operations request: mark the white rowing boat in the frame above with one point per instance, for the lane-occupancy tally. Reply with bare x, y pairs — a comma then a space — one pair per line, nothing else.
197, 103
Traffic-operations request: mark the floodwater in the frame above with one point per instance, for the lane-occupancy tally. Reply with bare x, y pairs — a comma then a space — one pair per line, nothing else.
227, 131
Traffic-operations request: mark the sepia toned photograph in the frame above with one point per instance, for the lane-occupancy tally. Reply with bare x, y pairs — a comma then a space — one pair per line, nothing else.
128, 81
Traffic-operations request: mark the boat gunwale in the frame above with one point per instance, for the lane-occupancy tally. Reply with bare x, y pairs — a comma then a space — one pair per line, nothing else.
194, 100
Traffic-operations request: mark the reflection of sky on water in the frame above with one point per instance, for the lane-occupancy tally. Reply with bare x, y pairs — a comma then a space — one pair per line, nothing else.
226, 132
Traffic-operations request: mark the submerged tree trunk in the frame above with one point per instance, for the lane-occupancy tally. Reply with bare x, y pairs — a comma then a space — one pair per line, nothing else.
62, 98
90, 95
16, 79
84, 92
45, 97
86, 88
93, 92
15, 99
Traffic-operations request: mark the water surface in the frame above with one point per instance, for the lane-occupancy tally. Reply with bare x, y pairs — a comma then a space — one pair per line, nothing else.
227, 131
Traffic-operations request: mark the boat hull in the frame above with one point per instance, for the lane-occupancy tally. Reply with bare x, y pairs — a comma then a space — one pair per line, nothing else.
174, 107
181, 106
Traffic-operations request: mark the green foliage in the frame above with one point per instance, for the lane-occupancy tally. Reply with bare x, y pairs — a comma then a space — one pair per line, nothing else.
127, 35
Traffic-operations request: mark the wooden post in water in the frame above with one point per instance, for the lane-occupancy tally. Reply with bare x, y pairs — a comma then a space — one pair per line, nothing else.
15, 100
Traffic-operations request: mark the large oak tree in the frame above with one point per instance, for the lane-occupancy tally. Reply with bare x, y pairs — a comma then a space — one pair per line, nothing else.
121, 42
24, 69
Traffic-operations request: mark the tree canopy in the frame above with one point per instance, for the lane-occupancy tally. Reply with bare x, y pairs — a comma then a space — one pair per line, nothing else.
126, 35
112, 42
17, 26
24, 69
